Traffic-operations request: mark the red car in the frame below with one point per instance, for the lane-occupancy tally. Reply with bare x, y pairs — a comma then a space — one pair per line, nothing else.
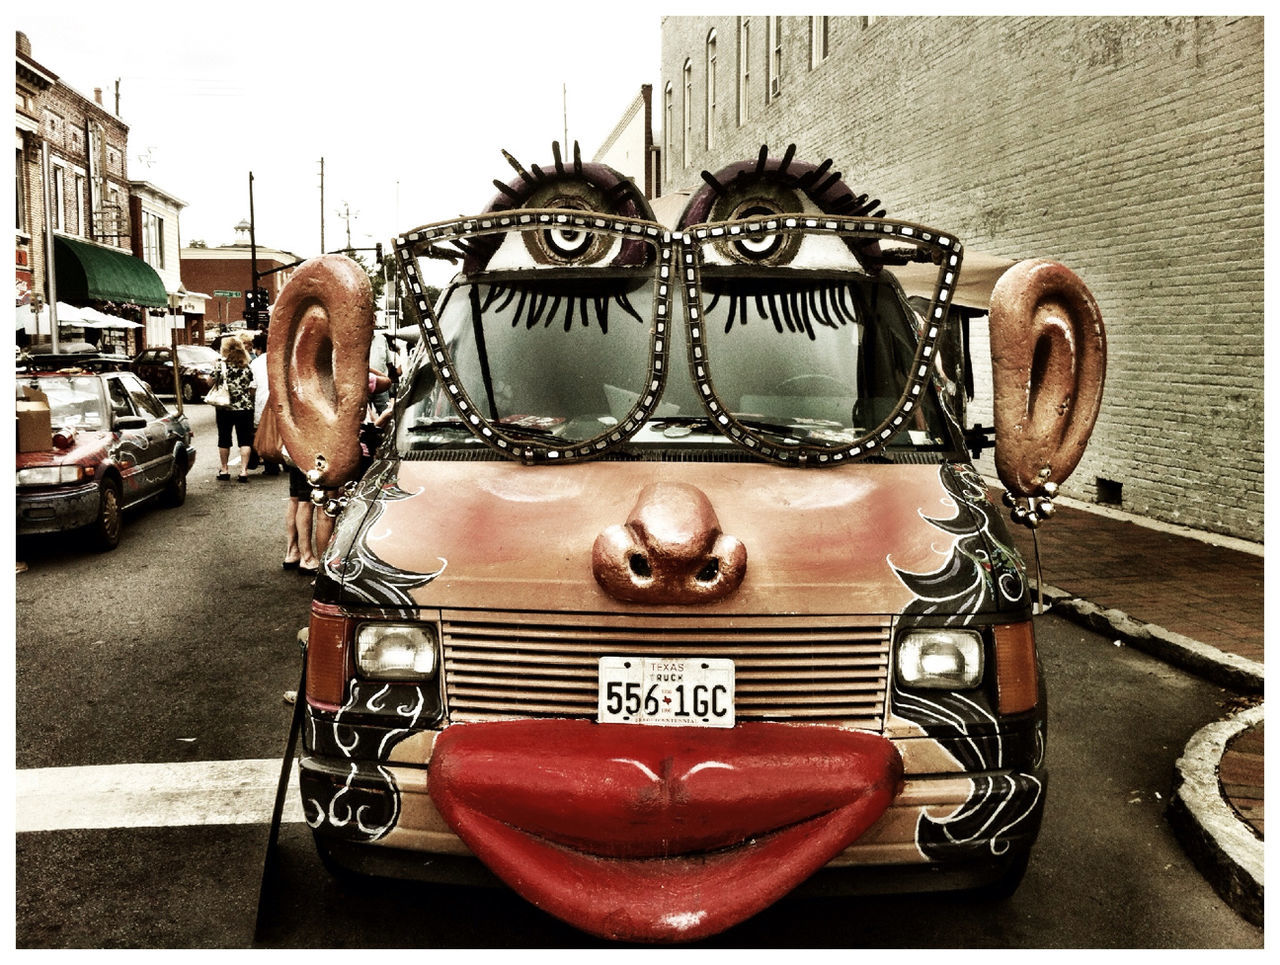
110, 445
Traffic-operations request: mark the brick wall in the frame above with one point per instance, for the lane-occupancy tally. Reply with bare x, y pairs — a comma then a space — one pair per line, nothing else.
69, 144
1129, 148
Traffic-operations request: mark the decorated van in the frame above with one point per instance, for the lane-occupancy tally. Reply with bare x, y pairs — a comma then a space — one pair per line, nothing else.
673, 587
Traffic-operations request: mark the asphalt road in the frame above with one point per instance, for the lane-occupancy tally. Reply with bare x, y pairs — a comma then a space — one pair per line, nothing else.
176, 648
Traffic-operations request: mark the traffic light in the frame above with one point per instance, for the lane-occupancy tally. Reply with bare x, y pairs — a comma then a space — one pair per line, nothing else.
256, 307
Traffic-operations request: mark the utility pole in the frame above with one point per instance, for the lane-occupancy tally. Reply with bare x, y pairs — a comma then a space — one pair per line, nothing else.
253, 255
50, 275
345, 214
322, 206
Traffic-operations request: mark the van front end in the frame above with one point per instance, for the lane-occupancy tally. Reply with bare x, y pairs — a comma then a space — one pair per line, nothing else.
887, 718
672, 588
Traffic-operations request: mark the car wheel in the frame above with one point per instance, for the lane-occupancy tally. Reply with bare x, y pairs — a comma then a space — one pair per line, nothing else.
175, 491
188, 392
106, 528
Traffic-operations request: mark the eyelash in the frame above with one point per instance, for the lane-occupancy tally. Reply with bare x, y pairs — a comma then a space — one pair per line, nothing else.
798, 310
531, 306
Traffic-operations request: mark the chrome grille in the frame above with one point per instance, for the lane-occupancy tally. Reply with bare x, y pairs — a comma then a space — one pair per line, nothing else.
819, 669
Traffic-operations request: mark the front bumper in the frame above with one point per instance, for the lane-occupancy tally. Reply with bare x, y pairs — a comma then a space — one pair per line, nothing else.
941, 831
389, 809
56, 510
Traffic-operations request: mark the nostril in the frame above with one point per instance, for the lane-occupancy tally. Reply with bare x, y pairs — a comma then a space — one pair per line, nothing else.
640, 566
709, 572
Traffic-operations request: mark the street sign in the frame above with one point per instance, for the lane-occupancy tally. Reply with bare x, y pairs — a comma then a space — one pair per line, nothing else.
225, 294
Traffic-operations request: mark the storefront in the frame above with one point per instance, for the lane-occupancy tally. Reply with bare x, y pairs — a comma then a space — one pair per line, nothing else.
110, 280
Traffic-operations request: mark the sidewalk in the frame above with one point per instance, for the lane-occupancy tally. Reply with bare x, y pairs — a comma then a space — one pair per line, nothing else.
1196, 601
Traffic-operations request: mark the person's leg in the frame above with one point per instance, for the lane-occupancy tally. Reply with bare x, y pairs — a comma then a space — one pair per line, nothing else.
306, 547
222, 419
324, 530
292, 551
244, 437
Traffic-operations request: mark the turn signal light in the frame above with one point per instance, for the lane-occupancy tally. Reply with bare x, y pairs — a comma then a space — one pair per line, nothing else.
328, 647
1017, 681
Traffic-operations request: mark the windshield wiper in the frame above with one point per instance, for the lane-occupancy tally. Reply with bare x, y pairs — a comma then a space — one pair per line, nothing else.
527, 431
445, 423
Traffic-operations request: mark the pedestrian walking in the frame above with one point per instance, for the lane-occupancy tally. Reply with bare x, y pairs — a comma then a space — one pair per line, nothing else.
237, 416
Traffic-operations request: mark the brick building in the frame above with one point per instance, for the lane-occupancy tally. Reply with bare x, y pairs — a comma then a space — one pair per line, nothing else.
86, 235
225, 273
1129, 148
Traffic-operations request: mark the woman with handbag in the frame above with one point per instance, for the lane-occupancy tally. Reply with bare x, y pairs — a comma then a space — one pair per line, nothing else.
235, 375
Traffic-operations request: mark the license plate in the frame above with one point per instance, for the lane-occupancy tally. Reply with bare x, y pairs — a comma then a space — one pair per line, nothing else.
668, 691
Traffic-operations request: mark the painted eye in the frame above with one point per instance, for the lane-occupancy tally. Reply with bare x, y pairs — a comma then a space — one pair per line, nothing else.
764, 247
568, 243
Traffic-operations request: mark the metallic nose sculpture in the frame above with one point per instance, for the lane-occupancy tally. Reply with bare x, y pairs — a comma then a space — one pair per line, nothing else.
670, 550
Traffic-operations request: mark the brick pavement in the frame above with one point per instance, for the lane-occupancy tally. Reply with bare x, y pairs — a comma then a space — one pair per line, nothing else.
1209, 593
1184, 583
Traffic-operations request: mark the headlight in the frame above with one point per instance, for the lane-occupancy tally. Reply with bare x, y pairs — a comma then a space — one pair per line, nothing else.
395, 651
50, 475
940, 659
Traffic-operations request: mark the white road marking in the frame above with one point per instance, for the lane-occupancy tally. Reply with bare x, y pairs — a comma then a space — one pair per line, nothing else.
152, 795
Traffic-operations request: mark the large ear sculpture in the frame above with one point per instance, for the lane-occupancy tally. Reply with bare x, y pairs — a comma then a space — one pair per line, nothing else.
318, 366
1048, 362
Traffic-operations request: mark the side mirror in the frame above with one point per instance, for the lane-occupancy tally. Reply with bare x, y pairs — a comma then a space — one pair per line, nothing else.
318, 366
1048, 364
126, 422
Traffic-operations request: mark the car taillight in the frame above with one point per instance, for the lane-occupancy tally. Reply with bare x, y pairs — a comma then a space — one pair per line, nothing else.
328, 660
1017, 681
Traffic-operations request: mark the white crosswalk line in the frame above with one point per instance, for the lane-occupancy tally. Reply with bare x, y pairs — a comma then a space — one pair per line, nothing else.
152, 795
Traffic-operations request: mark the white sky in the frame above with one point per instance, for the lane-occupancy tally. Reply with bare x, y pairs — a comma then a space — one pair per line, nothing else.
409, 103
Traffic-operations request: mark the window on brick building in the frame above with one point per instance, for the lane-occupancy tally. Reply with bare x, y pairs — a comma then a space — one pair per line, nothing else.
76, 223
773, 67
152, 239
711, 90
59, 198
668, 126
20, 194
819, 36
686, 127
744, 70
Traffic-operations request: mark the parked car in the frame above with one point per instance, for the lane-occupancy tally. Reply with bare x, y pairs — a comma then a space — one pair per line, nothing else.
196, 365
673, 585
105, 444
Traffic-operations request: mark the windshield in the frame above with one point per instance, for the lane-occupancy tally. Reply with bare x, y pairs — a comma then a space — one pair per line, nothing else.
561, 355
551, 343
75, 401
814, 360
820, 358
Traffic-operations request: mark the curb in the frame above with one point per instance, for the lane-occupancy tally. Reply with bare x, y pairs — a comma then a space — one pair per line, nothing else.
1226, 851
1223, 848
1228, 670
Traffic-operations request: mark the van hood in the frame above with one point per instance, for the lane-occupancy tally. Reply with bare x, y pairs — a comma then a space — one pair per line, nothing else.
860, 538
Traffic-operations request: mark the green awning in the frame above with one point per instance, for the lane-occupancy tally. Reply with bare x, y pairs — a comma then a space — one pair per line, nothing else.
88, 272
